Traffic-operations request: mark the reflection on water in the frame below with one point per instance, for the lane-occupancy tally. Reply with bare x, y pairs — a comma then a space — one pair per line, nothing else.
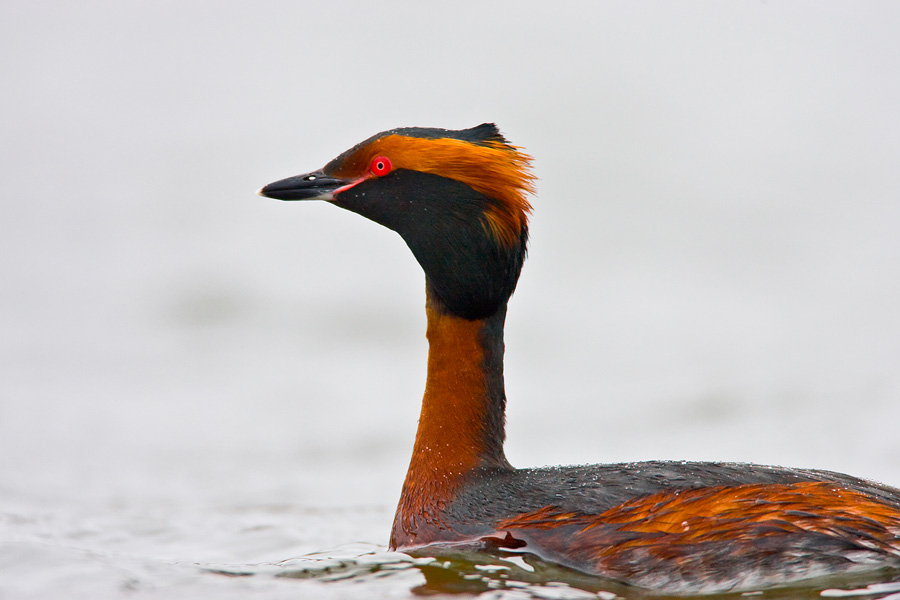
508, 576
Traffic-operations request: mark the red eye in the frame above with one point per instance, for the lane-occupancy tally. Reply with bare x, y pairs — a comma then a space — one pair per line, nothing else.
381, 165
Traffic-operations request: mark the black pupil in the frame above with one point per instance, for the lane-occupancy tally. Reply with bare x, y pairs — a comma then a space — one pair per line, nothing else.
379, 166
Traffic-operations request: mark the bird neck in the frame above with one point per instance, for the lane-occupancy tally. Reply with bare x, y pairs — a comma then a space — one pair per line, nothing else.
461, 426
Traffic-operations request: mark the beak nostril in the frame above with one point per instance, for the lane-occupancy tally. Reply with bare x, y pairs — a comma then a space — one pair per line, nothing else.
310, 186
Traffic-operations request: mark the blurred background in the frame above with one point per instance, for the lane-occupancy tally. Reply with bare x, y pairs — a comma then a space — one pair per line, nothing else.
189, 372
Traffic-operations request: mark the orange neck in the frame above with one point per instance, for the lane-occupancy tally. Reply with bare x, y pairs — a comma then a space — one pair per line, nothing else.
462, 418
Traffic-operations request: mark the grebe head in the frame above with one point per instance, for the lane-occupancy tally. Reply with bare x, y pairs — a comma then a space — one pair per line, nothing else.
458, 199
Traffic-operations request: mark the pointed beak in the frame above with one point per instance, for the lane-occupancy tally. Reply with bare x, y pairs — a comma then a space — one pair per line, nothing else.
311, 186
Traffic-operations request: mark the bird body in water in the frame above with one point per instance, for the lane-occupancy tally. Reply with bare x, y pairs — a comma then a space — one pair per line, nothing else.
459, 201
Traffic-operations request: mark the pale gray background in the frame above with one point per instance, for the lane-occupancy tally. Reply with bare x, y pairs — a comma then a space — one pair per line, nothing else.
714, 268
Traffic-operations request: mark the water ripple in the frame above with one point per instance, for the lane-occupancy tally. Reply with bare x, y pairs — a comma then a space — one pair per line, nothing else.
505, 576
